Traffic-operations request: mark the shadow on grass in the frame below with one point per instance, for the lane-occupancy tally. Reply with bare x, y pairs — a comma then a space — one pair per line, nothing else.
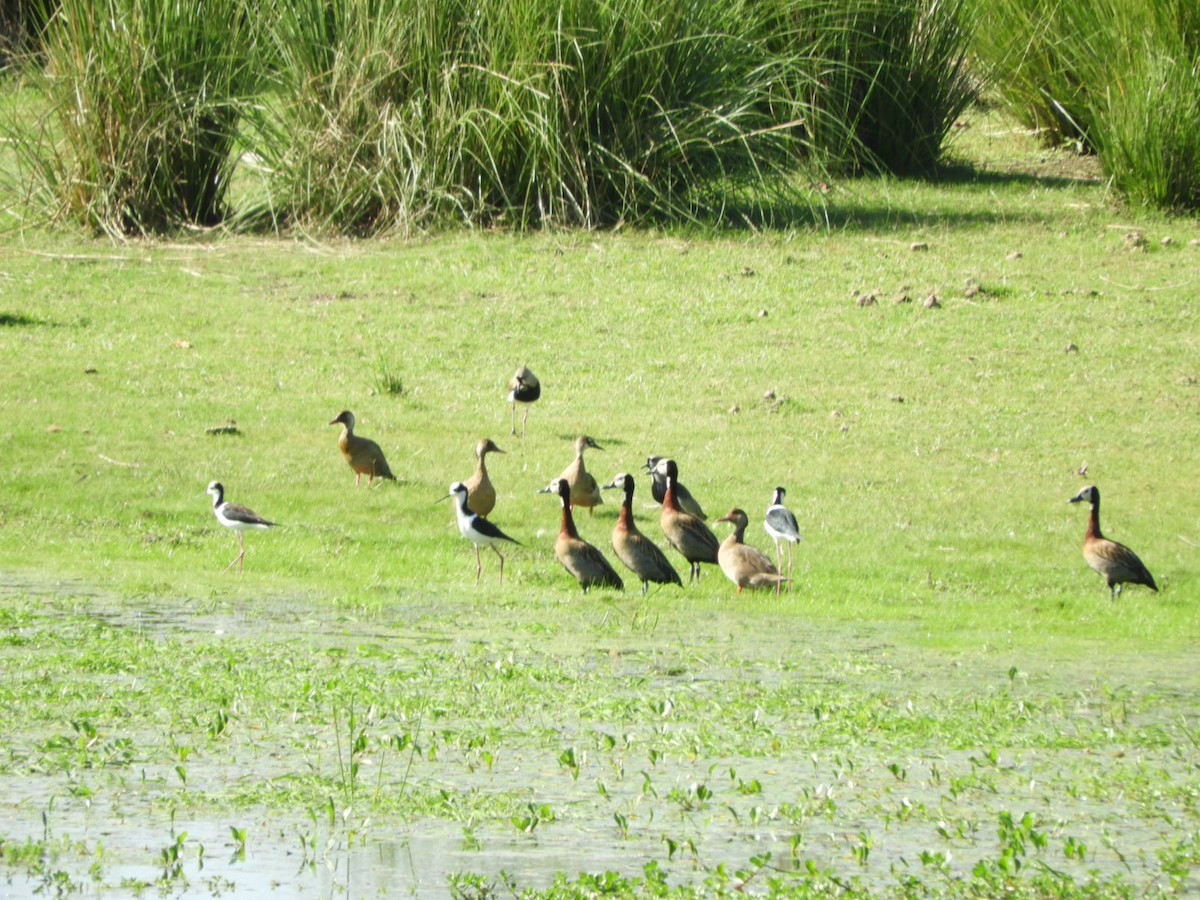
853, 206
19, 320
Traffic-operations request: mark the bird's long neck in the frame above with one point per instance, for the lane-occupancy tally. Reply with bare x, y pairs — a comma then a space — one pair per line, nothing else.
218, 498
1093, 529
460, 503
669, 496
739, 532
625, 517
568, 521
482, 470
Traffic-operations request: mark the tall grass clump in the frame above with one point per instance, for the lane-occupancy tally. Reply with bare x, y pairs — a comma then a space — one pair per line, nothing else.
892, 79
1116, 77
142, 101
521, 112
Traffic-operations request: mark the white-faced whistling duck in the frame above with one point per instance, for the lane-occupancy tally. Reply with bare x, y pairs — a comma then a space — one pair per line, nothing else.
476, 529
578, 557
639, 554
237, 518
658, 490
363, 454
523, 388
585, 491
781, 525
685, 532
1117, 563
481, 493
745, 566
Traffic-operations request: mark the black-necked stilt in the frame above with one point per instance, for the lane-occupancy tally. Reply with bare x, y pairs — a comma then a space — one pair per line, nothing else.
237, 518
1117, 563
685, 532
523, 388
476, 529
585, 491
781, 525
639, 554
578, 557
658, 490
481, 494
363, 454
745, 566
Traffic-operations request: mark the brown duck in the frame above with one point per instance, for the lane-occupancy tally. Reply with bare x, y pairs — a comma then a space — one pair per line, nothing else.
1117, 563
363, 454
639, 554
685, 532
481, 494
585, 491
745, 566
578, 557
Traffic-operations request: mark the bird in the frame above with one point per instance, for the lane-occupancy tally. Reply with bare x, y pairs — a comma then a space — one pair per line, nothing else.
639, 554
781, 526
1117, 563
363, 454
684, 531
585, 491
658, 489
523, 388
237, 518
578, 557
476, 529
481, 494
742, 564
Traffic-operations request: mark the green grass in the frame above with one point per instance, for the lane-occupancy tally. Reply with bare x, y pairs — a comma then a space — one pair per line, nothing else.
946, 660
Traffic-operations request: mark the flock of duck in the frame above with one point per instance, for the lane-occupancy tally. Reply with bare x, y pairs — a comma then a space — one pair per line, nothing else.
682, 520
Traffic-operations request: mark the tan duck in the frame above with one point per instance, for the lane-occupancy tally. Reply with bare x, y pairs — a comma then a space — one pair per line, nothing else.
685, 532
578, 557
745, 566
481, 493
523, 388
639, 554
585, 491
363, 454
1115, 562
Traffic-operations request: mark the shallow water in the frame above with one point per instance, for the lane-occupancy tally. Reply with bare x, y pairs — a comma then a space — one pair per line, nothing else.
739, 770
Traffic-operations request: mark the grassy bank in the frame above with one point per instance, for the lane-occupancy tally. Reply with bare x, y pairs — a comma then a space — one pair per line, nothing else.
354, 689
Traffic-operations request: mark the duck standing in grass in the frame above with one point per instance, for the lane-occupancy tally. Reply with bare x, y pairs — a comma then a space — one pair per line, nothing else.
658, 489
745, 566
585, 491
239, 519
1115, 562
639, 554
578, 557
683, 531
363, 454
481, 494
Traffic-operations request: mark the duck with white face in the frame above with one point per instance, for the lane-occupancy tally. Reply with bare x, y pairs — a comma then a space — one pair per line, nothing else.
1115, 562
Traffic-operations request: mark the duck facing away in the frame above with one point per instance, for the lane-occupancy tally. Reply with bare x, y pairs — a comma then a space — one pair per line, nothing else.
481, 493
745, 566
781, 525
476, 529
239, 519
683, 531
578, 557
639, 554
1115, 562
523, 388
363, 454
585, 491
658, 490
